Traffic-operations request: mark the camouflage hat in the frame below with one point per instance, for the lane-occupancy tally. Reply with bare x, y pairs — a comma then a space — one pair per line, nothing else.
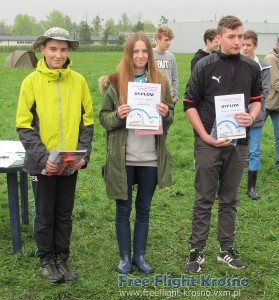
56, 33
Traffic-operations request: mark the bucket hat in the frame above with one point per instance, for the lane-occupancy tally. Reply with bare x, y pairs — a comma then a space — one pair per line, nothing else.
56, 33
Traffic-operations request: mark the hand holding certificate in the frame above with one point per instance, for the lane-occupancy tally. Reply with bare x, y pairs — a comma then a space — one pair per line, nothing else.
64, 160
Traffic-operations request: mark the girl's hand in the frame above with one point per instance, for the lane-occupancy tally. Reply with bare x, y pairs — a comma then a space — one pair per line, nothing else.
122, 111
162, 109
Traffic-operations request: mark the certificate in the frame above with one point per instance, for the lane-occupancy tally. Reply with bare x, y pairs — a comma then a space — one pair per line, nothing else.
226, 107
64, 159
143, 97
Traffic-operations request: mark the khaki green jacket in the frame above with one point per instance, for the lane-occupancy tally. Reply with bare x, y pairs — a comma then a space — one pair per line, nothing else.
114, 171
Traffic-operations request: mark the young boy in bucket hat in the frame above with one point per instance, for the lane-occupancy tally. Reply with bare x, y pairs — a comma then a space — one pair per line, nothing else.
54, 112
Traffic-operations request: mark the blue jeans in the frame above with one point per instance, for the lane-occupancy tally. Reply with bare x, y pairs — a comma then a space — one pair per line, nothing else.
146, 179
274, 115
254, 151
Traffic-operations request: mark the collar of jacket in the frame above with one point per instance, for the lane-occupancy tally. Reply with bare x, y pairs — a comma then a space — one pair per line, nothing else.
53, 74
228, 56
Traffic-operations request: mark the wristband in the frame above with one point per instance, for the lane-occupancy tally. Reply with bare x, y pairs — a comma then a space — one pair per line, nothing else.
253, 120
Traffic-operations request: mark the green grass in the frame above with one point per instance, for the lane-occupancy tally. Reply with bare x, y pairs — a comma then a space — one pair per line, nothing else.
94, 254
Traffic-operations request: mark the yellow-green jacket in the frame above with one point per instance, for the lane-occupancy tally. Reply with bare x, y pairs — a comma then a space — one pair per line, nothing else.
54, 112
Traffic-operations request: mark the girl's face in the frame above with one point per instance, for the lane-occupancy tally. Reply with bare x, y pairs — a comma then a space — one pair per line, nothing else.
140, 57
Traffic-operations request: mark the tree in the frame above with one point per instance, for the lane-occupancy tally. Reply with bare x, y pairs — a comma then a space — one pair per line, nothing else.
138, 26
124, 24
25, 25
84, 33
108, 30
149, 26
163, 21
56, 19
5, 29
97, 25
120, 40
70, 26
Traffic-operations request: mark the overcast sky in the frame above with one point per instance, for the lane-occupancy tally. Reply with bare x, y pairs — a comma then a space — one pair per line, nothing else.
151, 10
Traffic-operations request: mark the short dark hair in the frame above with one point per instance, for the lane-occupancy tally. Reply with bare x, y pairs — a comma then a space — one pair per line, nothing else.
250, 34
230, 22
209, 34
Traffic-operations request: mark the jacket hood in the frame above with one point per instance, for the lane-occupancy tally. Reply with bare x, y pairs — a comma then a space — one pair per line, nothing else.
104, 82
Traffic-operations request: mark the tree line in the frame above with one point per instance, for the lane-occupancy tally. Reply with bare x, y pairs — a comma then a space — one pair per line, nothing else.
25, 25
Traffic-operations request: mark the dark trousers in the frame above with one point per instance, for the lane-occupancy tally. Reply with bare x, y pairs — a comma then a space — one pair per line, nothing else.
54, 203
216, 168
146, 179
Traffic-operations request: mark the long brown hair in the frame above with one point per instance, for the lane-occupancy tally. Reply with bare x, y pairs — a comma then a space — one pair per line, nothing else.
125, 69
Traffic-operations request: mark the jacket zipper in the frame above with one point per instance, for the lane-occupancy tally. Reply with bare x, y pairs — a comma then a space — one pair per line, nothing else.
60, 111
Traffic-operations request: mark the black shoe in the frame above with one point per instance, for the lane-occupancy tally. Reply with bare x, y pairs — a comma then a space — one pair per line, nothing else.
64, 269
253, 194
49, 271
229, 257
195, 260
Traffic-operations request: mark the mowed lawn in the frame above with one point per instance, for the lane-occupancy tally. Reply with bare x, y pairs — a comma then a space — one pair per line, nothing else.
94, 252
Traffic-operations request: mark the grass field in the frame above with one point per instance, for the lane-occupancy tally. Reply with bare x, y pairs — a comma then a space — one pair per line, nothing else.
94, 253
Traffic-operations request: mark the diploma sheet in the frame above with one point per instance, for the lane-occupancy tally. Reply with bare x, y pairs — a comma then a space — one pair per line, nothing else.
226, 107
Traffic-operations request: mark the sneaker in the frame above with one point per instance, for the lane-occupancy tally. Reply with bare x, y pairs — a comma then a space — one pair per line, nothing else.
196, 259
229, 257
49, 271
64, 269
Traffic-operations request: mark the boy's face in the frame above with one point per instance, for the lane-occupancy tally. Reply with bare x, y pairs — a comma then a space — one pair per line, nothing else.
248, 48
55, 53
164, 43
214, 44
231, 40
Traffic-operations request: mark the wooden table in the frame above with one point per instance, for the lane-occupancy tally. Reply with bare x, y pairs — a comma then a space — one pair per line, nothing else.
13, 198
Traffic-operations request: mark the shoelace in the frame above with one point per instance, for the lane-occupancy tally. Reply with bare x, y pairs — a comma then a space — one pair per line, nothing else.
62, 264
232, 252
194, 255
50, 265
